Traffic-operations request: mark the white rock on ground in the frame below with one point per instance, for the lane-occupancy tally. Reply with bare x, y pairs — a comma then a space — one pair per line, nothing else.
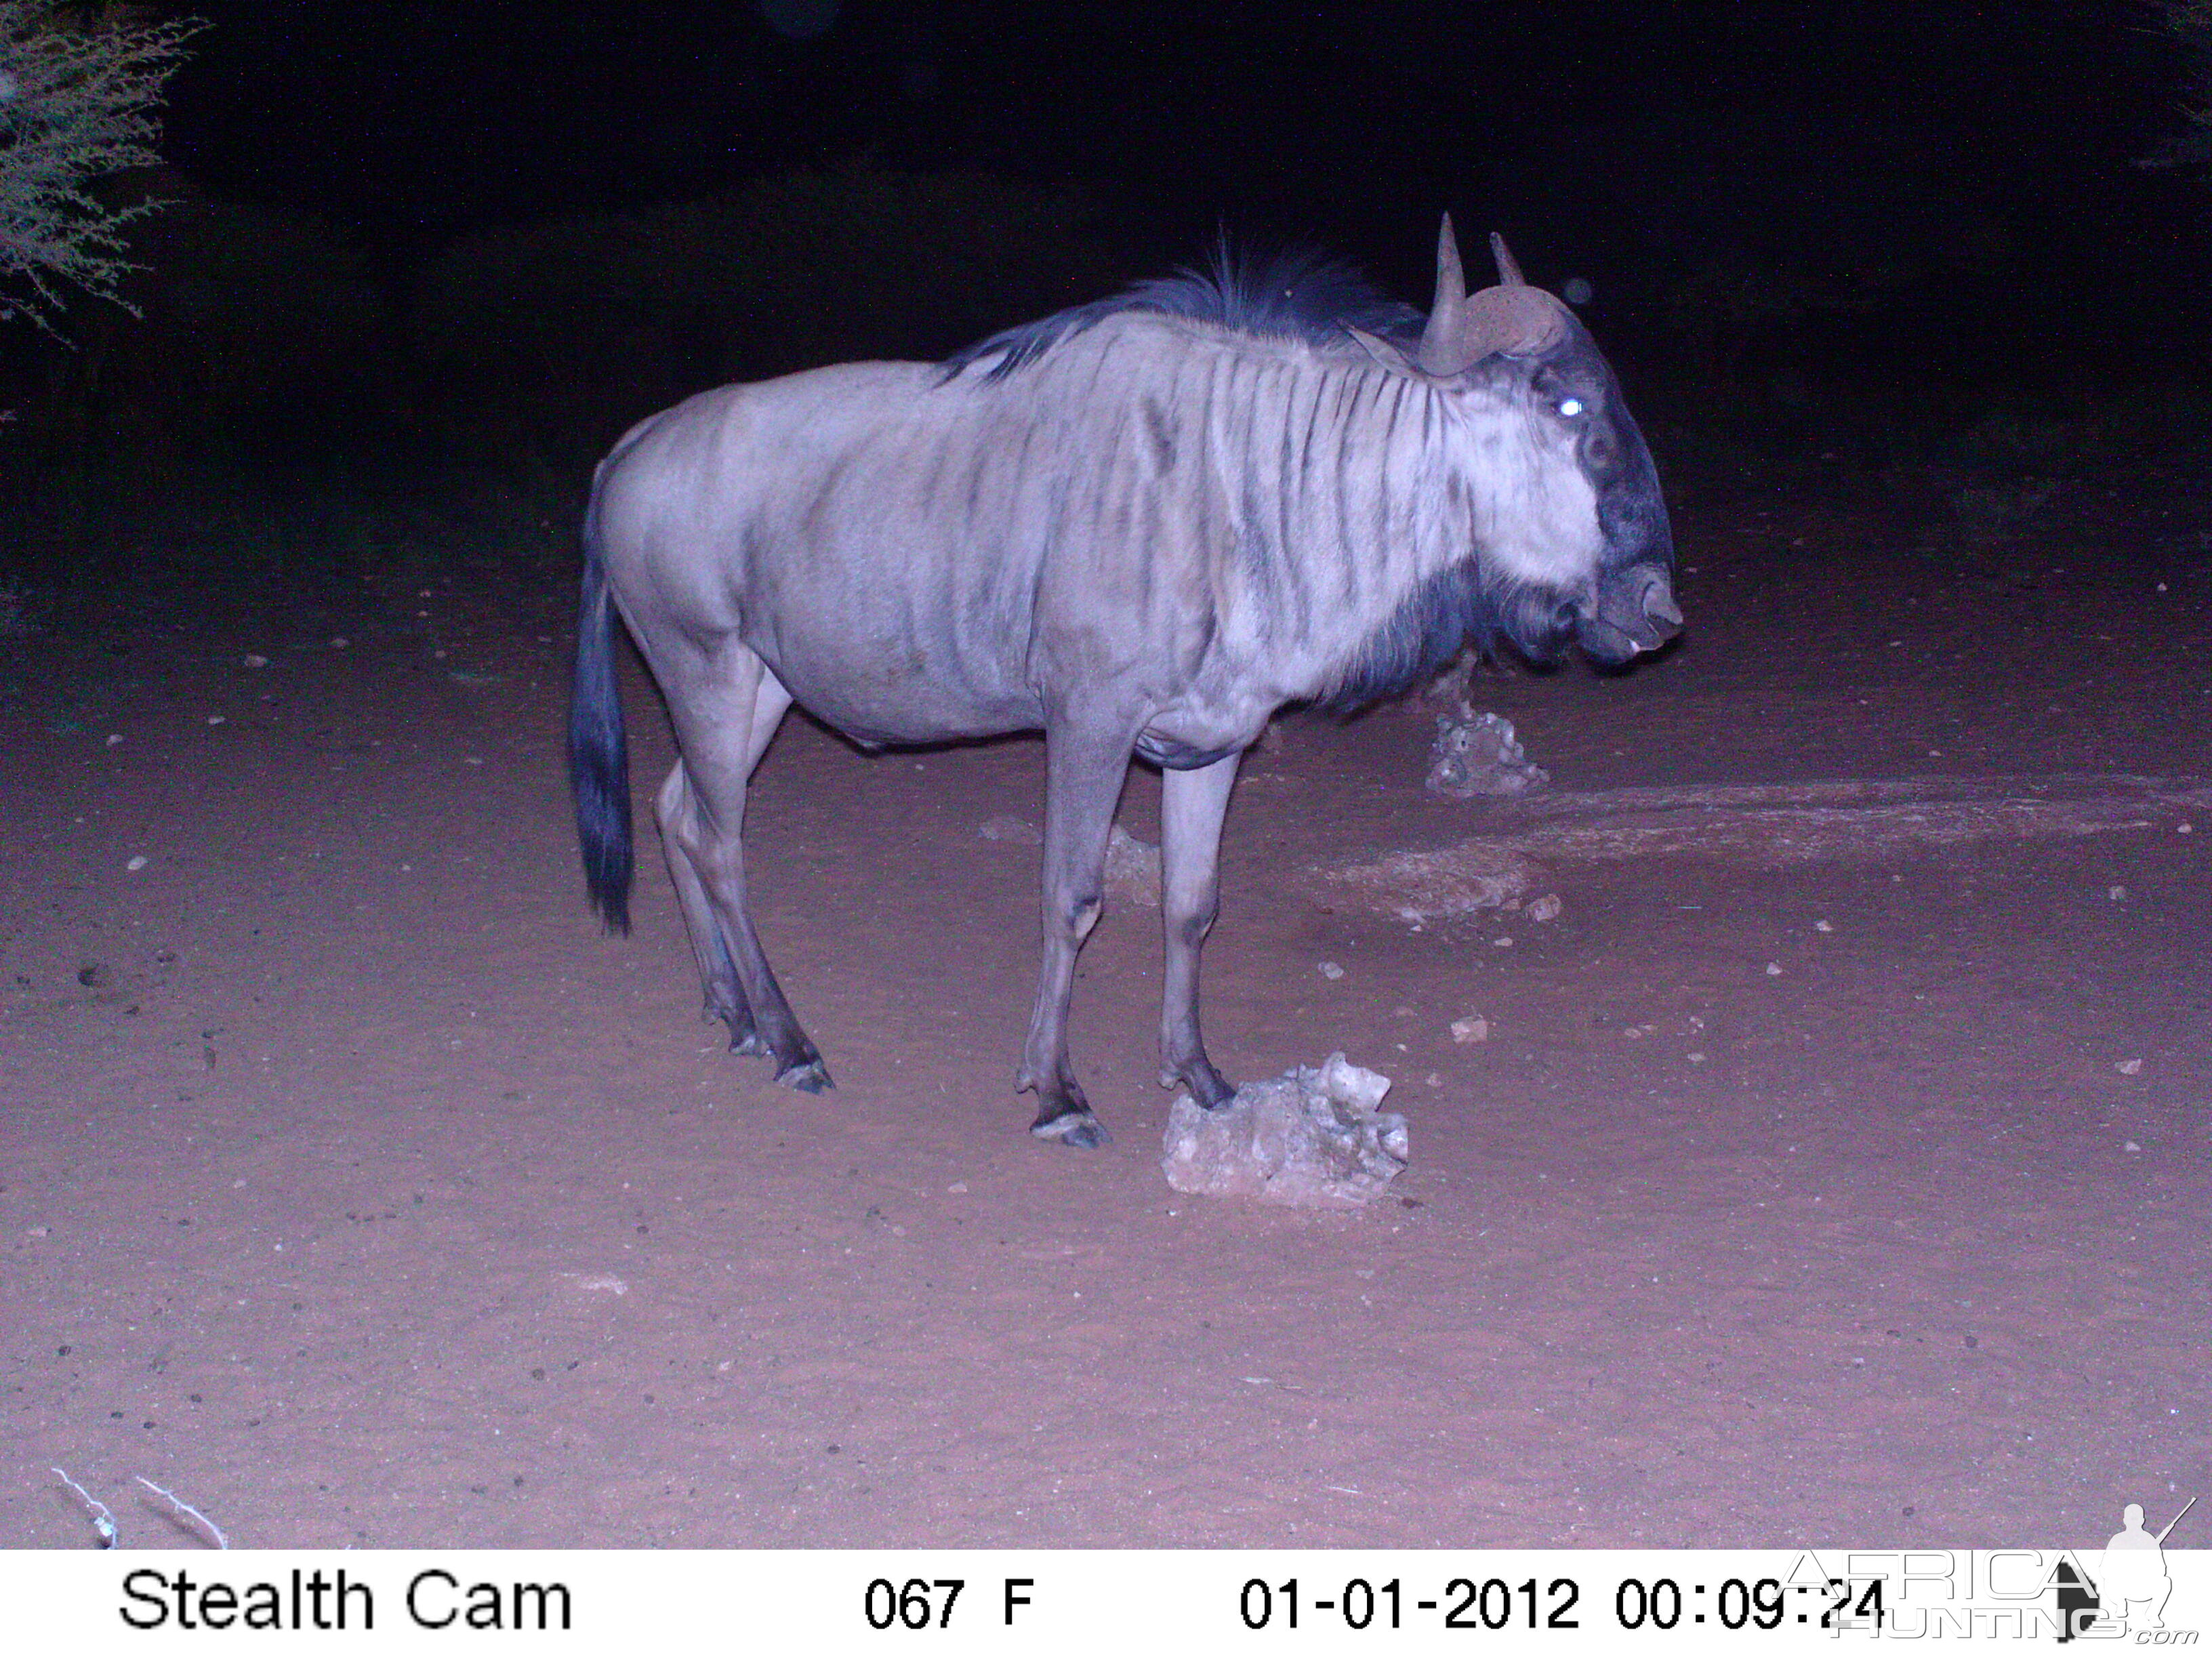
1133, 868
1311, 1137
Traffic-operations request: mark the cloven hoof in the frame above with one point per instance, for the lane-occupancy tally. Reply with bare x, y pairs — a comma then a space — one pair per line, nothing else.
812, 1078
1071, 1129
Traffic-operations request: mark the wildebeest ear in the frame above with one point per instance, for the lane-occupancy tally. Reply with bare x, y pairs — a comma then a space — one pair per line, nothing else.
1383, 352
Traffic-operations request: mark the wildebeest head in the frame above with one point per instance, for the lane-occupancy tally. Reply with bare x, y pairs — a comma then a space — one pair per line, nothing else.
1568, 512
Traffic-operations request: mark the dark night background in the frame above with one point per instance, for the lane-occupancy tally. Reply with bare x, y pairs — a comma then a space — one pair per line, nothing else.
1942, 240
1853, 135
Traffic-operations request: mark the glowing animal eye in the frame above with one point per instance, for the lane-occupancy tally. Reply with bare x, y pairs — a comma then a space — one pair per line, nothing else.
1572, 407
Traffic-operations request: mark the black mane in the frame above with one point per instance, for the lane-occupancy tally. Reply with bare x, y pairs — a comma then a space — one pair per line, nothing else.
1300, 293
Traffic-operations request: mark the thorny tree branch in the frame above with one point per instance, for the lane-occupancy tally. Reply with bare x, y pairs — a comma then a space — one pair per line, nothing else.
79, 85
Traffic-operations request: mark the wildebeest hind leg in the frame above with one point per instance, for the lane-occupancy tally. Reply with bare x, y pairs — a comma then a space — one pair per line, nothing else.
1191, 807
724, 992
1083, 773
722, 729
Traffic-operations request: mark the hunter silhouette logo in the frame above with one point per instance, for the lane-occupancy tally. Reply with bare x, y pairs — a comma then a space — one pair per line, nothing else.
2131, 1583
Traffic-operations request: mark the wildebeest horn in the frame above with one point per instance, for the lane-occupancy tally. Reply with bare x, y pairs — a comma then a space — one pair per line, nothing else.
1509, 268
1440, 351
1512, 318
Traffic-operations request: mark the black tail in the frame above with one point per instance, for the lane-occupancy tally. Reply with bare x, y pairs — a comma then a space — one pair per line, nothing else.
598, 755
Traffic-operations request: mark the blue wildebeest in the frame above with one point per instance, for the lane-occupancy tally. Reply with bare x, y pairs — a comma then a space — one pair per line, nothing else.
1142, 525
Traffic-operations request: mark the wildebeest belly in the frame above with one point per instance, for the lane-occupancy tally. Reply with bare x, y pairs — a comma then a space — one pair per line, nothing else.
890, 685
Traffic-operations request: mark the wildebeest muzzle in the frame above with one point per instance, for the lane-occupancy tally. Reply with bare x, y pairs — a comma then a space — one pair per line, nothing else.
1635, 612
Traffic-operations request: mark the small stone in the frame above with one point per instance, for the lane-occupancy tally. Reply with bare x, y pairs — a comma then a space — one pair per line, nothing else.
1330, 970
1504, 943
338, 642
2127, 1067
2130, 1147
215, 720
1006, 827
957, 1187
1773, 969
1472, 1028
114, 737
2116, 893
1544, 908
255, 659
2184, 829
1697, 1057
137, 863
1824, 926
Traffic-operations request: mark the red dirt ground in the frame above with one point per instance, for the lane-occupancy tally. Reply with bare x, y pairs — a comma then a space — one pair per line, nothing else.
357, 1188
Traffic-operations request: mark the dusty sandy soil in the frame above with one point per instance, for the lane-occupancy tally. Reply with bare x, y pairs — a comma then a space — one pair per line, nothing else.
355, 1187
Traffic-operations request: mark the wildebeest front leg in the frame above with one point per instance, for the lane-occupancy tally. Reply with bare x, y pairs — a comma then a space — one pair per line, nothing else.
1083, 773
1191, 807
